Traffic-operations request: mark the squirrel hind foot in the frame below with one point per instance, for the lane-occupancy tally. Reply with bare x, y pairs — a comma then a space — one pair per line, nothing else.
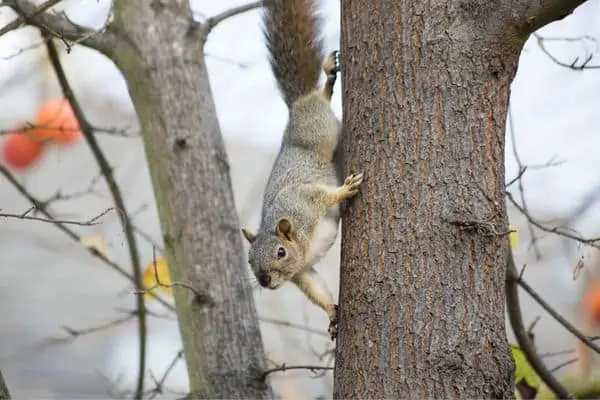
331, 65
333, 322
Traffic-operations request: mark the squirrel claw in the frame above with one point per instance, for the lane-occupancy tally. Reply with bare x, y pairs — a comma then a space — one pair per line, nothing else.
333, 321
352, 183
336, 61
332, 330
331, 66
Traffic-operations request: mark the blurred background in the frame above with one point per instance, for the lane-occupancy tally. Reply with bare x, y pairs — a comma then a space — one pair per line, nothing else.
49, 282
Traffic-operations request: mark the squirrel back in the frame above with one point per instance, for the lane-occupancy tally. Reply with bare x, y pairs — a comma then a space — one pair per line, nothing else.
290, 29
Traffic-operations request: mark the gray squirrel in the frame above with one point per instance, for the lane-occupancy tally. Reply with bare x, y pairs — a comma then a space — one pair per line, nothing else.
301, 205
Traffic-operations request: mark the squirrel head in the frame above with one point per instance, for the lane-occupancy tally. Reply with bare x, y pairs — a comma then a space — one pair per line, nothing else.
274, 257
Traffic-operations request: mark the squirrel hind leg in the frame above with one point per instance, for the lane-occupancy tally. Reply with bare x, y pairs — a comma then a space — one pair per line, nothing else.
331, 66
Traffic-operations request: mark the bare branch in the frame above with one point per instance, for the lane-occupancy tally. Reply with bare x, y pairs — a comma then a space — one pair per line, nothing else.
89, 222
283, 368
160, 383
537, 13
59, 26
556, 230
514, 278
213, 21
520, 183
94, 329
21, 51
576, 64
564, 364
523, 339
115, 191
20, 21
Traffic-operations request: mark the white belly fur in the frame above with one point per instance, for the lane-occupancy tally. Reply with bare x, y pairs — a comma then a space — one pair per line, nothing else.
323, 237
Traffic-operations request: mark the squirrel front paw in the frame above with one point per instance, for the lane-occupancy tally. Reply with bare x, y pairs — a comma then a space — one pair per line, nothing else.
333, 321
352, 184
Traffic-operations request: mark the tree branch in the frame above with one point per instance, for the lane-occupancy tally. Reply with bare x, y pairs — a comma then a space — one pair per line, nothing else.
40, 207
20, 21
521, 334
106, 170
89, 222
283, 367
556, 230
539, 13
59, 26
514, 276
583, 64
215, 20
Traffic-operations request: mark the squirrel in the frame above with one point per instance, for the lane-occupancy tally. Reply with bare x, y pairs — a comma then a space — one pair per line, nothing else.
301, 204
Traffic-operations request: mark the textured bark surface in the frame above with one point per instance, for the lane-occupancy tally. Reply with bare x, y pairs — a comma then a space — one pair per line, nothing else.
169, 86
423, 254
425, 93
4, 393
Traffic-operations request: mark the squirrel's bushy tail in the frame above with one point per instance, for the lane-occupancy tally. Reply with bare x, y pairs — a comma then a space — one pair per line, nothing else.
291, 33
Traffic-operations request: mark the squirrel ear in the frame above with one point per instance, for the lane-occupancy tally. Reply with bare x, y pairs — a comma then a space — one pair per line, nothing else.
249, 235
284, 227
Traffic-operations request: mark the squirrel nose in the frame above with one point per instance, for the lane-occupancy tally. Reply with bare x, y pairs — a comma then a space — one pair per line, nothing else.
264, 279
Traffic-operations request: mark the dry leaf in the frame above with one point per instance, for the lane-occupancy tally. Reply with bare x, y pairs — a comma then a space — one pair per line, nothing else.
99, 243
157, 278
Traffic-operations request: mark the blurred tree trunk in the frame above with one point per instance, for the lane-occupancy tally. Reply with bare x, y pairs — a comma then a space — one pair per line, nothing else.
4, 393
425, 90
165, 71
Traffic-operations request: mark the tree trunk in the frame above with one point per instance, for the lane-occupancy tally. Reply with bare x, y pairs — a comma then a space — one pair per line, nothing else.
169, 86
425, 90
422, 280
4, 393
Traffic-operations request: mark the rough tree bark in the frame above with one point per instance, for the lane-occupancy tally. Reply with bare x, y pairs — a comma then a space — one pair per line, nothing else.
4, 393
425, 90
161, 57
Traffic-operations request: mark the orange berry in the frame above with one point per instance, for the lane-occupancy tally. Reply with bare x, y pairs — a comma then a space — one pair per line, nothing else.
20, 150
56, 121
591, 303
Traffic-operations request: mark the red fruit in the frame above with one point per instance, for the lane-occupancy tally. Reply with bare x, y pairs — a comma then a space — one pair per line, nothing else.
20, 150
56, 121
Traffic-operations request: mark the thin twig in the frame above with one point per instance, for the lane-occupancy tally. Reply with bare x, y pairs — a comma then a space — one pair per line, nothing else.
557, 353
90, 222
556, 230
213, 21
40, 207
59, 26
555, 314
564, 364
20, 21
283, 368
522, 168
115, 191
160, 383
573, 65
80, 332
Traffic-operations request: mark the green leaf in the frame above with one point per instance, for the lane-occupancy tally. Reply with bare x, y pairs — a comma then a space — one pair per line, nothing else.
524, 370
513, 238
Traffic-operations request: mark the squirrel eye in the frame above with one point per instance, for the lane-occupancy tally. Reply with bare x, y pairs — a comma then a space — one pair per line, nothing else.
280, 252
